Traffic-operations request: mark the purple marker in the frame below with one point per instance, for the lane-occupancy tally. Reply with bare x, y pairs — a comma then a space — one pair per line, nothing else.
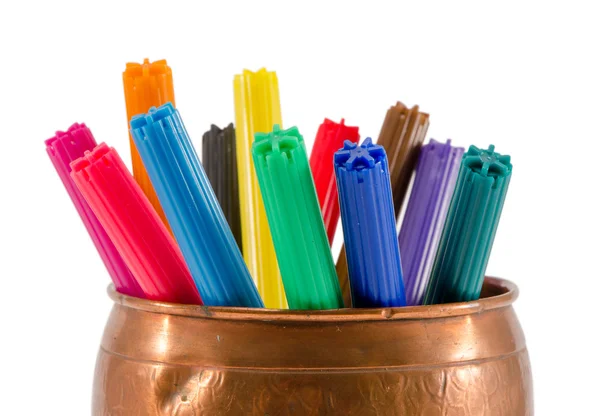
435, 179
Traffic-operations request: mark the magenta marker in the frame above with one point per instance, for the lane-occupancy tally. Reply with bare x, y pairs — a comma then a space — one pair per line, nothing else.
64, 148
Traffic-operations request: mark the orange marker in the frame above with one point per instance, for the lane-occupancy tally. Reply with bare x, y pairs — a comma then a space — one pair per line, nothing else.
146, 85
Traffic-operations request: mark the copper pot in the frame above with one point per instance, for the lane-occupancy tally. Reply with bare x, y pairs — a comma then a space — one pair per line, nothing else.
455, 359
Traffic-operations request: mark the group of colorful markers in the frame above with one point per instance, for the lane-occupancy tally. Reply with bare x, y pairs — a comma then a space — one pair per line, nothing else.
176, 229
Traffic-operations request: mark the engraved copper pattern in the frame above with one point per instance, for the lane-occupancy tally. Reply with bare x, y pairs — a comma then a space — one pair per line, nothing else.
456, 359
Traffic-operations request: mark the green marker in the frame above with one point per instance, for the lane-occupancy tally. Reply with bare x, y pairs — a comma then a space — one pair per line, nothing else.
470, 227
295, 220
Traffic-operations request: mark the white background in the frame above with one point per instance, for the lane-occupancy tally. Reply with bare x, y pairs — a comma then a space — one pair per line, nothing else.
524, 76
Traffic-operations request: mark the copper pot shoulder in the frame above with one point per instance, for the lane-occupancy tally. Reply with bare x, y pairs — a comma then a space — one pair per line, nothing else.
455, 359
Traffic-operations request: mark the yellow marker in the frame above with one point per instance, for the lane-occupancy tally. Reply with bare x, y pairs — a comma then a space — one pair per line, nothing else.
257, 110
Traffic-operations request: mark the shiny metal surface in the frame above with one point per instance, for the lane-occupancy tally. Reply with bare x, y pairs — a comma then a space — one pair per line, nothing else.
455, 359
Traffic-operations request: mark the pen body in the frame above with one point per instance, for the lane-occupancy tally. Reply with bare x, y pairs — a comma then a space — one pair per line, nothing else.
369, 225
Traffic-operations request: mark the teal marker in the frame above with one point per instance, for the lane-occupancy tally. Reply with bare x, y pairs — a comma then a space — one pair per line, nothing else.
470, 227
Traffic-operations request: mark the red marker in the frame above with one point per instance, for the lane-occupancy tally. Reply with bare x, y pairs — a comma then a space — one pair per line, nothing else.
330, 138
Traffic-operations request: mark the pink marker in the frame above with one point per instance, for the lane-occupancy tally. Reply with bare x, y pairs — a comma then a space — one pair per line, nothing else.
64, 148
133, 225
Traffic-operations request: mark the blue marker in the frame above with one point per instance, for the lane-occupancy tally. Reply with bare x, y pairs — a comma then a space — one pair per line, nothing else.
192, 209
369, 225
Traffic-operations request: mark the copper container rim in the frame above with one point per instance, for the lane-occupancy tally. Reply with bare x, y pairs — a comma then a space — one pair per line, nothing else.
497, 293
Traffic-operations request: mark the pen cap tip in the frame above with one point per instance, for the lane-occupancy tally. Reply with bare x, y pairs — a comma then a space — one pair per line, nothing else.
277, 141
354, 157
161, 112
89, 158
137, 122
487, 162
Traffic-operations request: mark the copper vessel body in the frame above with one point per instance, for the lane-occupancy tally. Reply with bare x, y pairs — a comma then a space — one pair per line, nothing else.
455, 359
